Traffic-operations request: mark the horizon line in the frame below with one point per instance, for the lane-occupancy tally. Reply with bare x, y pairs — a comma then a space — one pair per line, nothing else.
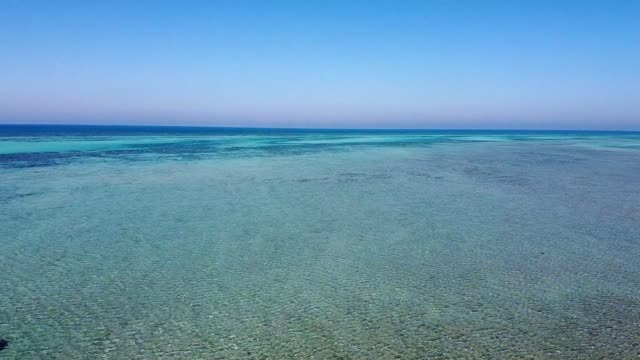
319, 128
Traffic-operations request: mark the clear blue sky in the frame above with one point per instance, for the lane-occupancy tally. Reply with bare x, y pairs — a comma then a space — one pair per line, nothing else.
406, 64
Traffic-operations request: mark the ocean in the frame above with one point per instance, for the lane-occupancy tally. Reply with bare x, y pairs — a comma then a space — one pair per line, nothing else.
132, 242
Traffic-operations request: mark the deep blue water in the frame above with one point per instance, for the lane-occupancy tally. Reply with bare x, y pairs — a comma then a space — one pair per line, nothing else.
46, 145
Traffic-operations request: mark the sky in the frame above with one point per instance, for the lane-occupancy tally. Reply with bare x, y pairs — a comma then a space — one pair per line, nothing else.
331, 64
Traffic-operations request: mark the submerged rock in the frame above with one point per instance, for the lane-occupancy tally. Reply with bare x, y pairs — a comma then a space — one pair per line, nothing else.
3, 344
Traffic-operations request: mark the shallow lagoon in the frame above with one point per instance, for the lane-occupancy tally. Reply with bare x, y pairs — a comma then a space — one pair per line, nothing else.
136, 243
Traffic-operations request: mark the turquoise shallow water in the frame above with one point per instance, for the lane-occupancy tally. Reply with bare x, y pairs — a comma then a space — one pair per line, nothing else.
176, 243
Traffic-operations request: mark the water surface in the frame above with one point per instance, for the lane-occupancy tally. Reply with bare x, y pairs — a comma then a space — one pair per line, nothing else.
196, 243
